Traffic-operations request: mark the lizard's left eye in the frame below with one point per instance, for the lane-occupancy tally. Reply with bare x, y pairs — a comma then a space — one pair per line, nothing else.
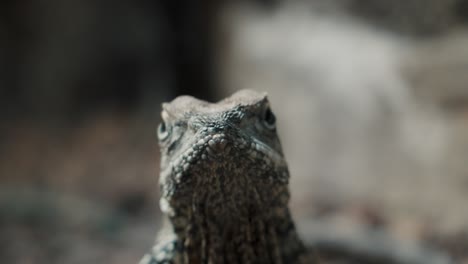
163, 131
269, 119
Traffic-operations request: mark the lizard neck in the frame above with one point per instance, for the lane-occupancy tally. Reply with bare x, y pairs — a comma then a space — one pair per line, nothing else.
272, 239
232, 209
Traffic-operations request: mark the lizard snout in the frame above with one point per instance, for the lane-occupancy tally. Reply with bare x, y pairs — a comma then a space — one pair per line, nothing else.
217, 144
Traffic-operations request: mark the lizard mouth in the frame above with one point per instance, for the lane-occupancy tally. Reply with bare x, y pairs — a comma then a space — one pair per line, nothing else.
222, 158
216, 148
224, 173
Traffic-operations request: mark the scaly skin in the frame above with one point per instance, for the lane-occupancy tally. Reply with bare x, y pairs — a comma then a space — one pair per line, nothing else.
224, 184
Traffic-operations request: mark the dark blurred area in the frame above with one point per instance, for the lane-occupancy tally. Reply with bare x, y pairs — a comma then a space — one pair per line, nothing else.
70, 58
81, 83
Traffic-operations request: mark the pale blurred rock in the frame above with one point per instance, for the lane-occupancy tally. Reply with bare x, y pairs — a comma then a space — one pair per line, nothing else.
352, 125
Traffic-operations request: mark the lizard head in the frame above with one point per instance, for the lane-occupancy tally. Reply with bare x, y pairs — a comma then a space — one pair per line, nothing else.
220, 160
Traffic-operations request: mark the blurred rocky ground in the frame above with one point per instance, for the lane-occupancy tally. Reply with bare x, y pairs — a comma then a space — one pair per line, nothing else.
371, 97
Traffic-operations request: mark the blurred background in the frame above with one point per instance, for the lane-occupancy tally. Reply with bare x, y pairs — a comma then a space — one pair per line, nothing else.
371, 97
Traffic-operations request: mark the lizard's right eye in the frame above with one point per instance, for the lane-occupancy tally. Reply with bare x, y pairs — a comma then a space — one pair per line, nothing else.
163, 131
